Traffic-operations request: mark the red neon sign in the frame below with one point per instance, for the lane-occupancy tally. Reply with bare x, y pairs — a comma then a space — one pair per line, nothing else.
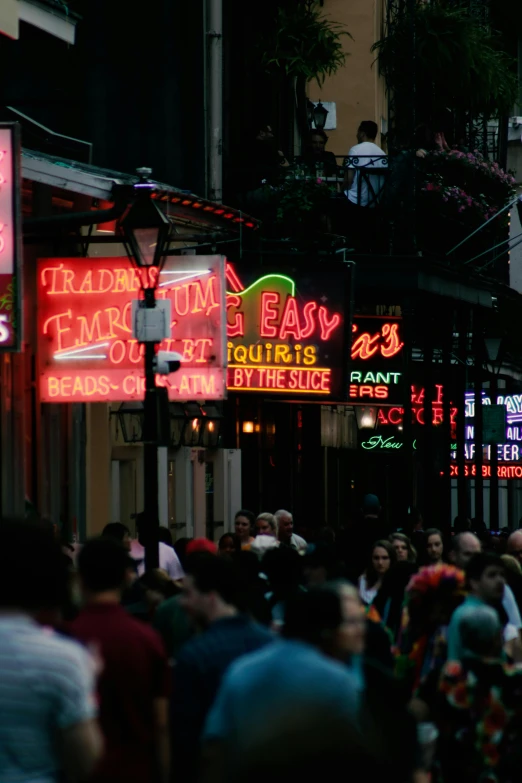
395, 415
503, 471
278, 340
9, 233
384, 343
86, 348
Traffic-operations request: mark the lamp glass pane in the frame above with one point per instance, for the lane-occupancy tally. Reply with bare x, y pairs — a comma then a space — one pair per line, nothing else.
320, 115
146, 240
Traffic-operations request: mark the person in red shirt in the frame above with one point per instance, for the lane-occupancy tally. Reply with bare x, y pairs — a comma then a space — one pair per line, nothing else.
133, 686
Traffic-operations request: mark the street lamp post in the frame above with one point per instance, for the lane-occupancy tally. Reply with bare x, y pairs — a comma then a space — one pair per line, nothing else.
146, 231
493, 352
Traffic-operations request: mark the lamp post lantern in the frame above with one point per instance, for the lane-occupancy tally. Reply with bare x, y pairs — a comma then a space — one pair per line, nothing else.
366, 417
320, 115
146, 233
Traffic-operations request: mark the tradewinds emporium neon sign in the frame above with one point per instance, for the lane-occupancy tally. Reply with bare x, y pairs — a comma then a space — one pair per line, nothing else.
86, 348
285, 333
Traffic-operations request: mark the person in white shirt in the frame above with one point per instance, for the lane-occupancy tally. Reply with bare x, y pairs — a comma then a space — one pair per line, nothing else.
358, 188
286, 535
168, 559
48, 726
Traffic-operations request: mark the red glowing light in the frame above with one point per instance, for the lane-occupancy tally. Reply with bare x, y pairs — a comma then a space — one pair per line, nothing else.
219, 212
395, 415
9, 230
186, 202
512, 471
386, 342
232, 279
269, 314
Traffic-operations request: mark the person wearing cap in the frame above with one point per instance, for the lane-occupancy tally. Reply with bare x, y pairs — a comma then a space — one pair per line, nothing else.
201, 545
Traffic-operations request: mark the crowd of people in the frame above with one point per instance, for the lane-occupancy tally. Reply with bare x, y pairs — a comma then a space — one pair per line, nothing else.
384, 653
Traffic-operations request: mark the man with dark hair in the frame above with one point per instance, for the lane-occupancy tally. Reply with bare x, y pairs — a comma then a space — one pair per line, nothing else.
168, 558
464, 546
363, 191
118, 532
316, 155
47, 705
293, 674
134, 679
487, 581
210, 596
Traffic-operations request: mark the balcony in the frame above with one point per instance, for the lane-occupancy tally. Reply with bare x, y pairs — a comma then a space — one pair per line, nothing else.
406, 204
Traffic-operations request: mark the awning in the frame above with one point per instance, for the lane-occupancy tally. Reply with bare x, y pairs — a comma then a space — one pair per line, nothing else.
51, 16
104, 184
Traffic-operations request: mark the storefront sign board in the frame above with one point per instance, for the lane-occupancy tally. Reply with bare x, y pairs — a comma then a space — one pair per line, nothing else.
85, 344
286, 330
10, 238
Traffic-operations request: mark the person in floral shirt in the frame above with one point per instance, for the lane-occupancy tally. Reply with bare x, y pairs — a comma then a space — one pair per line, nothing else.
479, 707
431, 597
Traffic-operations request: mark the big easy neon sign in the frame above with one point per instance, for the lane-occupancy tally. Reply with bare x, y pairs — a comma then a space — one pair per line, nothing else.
285, 330
85, 344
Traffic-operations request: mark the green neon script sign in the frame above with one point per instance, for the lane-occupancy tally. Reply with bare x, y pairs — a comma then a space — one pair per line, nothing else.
377, 442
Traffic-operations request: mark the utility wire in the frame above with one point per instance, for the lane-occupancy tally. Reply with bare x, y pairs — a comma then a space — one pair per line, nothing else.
491, 249
504, 209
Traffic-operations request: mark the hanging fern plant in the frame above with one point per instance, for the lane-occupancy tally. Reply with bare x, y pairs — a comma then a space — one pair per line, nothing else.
459, 62
304, 43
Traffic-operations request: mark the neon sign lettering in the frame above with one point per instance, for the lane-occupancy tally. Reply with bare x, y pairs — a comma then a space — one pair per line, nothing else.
282, 320
86, 348
395, 415
386, 342
267, 353
512, 433
278, 340
316, 380
506, 452
384, 444
111, 386
503, 471
372, 385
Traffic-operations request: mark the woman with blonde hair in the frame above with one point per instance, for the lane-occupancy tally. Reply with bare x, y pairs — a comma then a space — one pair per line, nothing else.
266, 525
